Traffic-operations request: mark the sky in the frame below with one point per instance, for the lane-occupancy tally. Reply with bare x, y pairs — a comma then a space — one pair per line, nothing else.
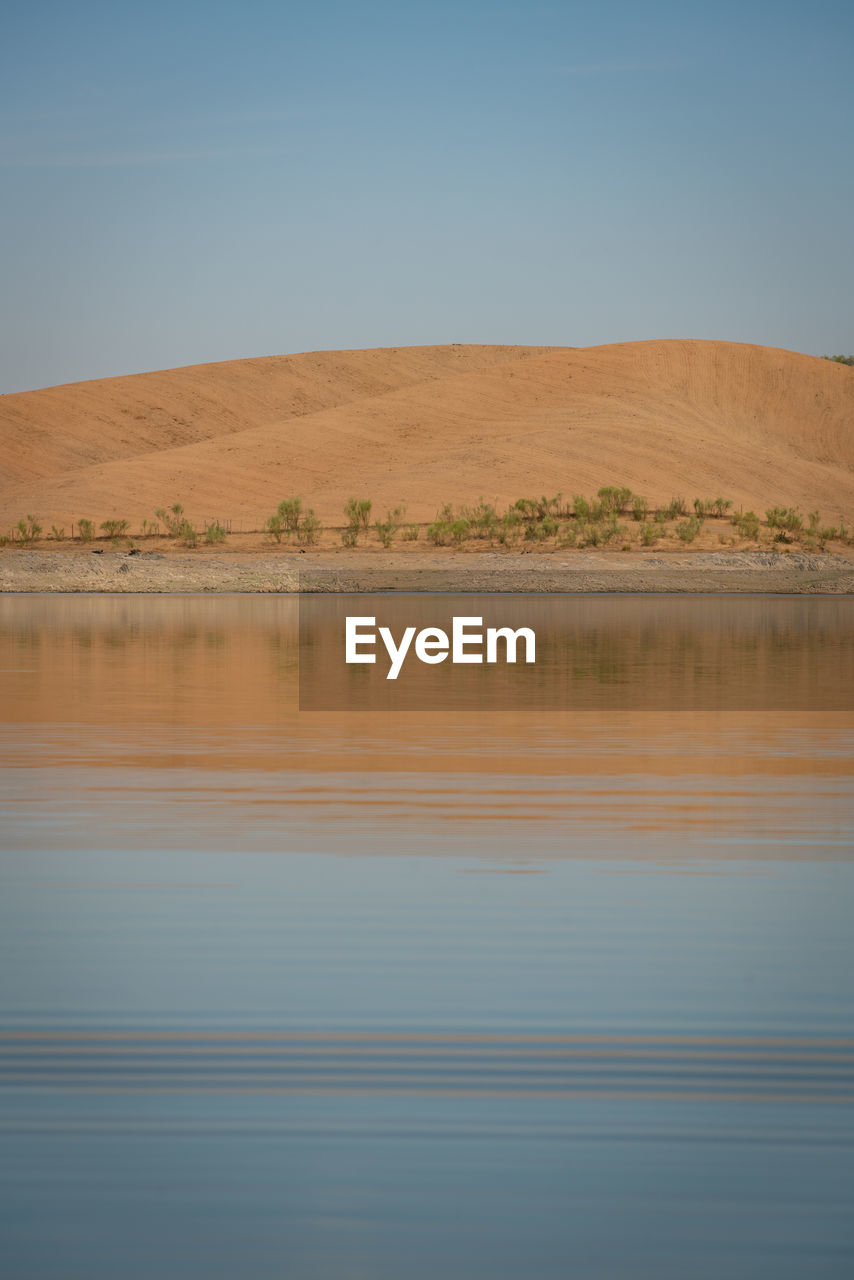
202, 181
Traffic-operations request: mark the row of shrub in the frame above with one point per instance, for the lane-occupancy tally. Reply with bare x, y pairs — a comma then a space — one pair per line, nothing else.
579, 522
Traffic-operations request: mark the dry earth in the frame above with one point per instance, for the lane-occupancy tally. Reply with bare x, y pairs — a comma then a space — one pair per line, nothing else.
575, 571
429, 425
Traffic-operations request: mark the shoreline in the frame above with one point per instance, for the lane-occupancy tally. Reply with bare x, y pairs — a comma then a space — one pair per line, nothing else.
308, 572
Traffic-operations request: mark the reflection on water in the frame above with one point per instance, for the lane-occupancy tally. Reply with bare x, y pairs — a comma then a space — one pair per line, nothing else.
342, 994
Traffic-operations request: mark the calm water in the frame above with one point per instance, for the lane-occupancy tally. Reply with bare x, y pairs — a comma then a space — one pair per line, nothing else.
515, 993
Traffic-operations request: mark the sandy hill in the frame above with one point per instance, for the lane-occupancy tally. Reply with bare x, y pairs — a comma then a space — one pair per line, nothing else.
428, 425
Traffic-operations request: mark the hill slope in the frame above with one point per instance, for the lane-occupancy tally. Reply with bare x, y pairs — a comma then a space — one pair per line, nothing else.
428, 425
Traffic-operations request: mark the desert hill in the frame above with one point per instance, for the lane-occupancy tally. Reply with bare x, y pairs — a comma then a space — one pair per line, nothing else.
427, 425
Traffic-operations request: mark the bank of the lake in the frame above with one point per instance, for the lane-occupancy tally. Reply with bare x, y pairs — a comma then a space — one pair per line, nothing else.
294, 571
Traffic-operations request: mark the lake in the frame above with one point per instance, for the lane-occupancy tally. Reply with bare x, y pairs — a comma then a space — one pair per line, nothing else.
544, 977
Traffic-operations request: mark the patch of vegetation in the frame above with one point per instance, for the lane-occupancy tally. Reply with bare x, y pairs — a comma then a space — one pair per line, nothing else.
640, 508
615, 498
350, 536
784, 518
26, 531
58, 535
309, 528
687, 530
214, 534
675, 507
86, 529
115, 529
410, 533
747, 523
358, 513
840, 359
172, 520
649, 534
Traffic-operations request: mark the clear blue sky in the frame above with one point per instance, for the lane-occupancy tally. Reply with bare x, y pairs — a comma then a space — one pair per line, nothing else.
200, 181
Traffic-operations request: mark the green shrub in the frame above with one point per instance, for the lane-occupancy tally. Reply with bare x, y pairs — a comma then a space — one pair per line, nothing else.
214, 534
814, 518
308, 529
438, 532
784, 518
640, 508
388, 528
289, 511
410, 533
614, 498
483, 519
649, 534
188, 534
173, 519
722, 506
358, 513
676, 507
350, 536
87, 530
747, 523
115, 528
275, 527
840, 359
567, 535
58, 535
26, 531
460, 530
688, 529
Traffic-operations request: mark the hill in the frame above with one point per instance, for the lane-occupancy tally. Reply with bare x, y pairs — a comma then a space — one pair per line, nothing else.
428, 425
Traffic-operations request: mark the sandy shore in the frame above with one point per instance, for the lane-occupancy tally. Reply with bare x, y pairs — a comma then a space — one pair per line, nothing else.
310, 571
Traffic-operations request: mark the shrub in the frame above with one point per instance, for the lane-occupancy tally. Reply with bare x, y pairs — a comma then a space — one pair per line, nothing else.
747, 524
567, 535
349, 536
722, 506
115, 528
640, 508
784, 518
460, 530
288, 512
410, 533
275, 527
676, 507
483, 519
614, 498
58, 535
526, 508
814, 518
508, 529
309, 528
581, 507
358, 513
26, 531
214, 534
840, 359
688, 529
173, 519
437, 532
87, 530
649, 534
388, 528
534, 532
188, 534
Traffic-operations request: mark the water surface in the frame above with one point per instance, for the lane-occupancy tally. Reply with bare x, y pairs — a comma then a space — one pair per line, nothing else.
459, 992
